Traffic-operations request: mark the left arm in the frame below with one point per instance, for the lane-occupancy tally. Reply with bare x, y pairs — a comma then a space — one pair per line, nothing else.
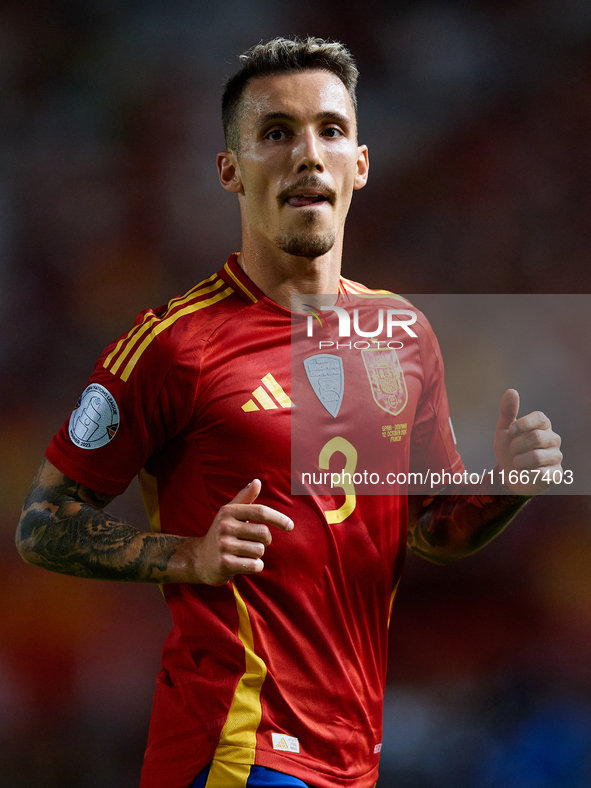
445, 527
448, 526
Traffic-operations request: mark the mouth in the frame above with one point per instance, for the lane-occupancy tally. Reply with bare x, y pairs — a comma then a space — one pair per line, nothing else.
305, 200
308, 192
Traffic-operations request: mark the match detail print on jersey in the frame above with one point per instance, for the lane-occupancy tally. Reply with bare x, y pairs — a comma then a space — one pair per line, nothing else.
95, 419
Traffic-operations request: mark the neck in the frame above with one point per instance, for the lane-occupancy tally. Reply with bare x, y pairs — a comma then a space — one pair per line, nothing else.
280, 275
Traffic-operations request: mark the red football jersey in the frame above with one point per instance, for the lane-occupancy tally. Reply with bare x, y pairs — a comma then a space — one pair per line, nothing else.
286, 668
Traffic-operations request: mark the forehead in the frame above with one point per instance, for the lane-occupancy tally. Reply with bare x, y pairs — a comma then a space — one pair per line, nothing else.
300, 94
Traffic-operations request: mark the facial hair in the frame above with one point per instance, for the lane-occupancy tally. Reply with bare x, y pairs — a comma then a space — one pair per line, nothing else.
306, 242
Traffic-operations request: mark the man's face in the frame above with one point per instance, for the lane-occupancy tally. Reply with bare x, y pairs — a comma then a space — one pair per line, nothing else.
299, 161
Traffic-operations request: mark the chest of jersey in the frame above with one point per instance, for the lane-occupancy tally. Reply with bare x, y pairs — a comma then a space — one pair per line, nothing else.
290, 404
286, 412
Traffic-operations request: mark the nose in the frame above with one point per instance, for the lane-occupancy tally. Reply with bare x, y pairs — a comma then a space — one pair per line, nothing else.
307, 152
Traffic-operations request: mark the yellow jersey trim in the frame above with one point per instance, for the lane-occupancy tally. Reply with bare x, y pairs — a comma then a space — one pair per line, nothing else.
242, 286
367, 293
127, 343
356, 288
222, 774
164, 324
392, 598
176, 301
149, 488
238, 739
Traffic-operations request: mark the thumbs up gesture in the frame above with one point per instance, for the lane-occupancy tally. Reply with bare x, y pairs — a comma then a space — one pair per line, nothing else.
527, 446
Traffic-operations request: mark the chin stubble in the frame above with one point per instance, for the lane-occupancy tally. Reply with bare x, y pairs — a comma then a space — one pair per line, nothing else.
299, 246
307, 242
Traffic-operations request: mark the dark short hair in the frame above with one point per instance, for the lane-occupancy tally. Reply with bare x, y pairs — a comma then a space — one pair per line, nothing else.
282, 56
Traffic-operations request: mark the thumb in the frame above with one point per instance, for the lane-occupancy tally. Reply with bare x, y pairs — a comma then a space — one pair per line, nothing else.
248, 494
509, 409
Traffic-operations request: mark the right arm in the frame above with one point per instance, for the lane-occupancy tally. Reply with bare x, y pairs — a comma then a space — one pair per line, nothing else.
63, 527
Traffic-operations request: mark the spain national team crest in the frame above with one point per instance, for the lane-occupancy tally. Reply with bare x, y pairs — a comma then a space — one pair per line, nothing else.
386, 378
326, 376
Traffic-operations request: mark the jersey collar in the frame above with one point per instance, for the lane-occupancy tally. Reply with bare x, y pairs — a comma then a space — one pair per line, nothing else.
233, 275
239, 281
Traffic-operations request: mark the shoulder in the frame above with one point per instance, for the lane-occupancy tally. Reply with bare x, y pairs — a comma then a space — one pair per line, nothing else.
386, 299
350, 287
159, 335
383, 299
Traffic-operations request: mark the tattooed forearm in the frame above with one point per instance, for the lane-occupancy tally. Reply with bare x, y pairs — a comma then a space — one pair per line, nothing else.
63, 528
447, 527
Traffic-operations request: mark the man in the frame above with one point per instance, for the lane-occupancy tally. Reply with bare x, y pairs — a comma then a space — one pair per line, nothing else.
274, 671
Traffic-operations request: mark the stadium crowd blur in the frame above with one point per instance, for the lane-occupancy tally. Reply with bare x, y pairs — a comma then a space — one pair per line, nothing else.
478, 120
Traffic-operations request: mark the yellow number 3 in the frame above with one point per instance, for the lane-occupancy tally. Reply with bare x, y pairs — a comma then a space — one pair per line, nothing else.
350, 452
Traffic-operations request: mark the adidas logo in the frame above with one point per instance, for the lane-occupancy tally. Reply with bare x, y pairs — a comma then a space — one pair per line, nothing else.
286, 743
264, 398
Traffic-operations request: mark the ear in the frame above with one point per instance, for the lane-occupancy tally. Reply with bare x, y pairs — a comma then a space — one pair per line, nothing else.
229, 171
362, 167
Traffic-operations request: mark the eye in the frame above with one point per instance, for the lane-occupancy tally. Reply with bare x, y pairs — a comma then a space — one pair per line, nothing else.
276, 135
332, 132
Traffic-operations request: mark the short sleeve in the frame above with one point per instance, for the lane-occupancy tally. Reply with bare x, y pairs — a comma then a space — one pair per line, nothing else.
433, 445
128, 411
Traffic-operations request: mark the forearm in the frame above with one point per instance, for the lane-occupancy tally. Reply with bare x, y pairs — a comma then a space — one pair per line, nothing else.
60, 532
451, 526
91, 543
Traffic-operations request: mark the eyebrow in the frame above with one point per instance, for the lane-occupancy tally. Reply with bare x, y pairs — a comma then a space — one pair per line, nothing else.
337, 117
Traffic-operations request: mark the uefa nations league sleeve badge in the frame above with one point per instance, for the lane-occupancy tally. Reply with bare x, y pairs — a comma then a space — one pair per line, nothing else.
95, 419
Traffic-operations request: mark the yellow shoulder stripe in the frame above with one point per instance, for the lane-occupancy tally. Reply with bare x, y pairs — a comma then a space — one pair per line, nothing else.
164, 324
149, 317
357, 289
130, 347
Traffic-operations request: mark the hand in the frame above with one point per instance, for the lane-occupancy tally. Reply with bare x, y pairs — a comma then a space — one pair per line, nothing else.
237, 538
528, 444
